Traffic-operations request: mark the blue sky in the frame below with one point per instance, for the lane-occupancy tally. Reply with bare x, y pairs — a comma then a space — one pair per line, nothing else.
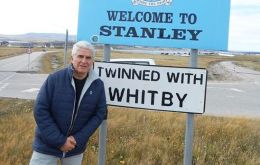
55, 16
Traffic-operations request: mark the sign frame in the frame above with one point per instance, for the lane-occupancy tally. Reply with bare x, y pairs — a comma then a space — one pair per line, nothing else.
155, 23
190, 102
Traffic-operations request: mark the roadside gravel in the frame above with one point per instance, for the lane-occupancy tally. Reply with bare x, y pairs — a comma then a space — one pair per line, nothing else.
228, 71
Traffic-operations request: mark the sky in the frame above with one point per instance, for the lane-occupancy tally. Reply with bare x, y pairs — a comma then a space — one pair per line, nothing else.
55, 16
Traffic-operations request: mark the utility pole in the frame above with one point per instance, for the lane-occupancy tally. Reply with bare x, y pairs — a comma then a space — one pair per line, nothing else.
66, 48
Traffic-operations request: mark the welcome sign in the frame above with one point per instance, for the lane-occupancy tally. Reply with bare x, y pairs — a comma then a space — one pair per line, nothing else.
196, 24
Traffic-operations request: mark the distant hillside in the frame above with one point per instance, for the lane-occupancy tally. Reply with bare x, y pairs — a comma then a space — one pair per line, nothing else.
38, 37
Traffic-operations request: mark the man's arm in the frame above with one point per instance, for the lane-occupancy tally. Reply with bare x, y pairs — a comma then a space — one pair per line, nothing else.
49, 131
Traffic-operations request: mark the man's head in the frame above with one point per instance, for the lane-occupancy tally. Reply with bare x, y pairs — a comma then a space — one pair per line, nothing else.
83, 54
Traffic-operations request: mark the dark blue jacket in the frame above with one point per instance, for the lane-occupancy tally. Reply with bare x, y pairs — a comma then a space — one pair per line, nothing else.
54, 108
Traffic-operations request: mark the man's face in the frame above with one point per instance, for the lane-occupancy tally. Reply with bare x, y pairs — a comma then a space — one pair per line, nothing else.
82, 61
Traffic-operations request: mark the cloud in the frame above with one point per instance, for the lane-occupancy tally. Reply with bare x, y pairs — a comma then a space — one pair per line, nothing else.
244, 34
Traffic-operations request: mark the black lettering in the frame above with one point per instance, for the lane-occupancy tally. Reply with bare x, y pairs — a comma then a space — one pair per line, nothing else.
99, 70
181, 99
135, 95
188, 78
115, 94
158, 17
179, 34
130, 18
152, 96
168, 17
143, 97
161, 34
131, 32
146, 75
155, 76
167, 99
173, 76
126, 73
147, 17
119, 72
182, 78
136, 74
192, 18
110, 73
118, 30
112, 15
194, 34
183, 16
105, 31
200, 79
139, 16
123, 15
147, 32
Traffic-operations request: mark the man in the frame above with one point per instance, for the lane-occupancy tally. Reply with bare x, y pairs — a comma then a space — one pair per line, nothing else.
69, 108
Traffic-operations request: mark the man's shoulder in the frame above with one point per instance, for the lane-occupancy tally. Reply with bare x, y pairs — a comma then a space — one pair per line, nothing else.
61, 72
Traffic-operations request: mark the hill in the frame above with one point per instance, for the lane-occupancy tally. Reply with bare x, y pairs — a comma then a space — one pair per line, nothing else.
37, 37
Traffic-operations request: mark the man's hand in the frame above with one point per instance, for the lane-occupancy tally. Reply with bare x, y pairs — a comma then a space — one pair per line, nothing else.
72, 140
70, 144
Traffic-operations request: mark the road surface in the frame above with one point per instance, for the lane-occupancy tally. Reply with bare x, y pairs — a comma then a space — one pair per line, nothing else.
240, 98
17, 78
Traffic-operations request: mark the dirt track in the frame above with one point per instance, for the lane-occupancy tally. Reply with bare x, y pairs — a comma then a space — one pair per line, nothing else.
228, 71
233, 91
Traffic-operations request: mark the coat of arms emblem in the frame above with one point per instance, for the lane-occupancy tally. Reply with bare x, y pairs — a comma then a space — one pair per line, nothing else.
152, 2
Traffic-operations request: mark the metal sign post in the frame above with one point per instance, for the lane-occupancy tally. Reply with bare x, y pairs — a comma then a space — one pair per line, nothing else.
190, 119
29, 51
65, 48
103, 126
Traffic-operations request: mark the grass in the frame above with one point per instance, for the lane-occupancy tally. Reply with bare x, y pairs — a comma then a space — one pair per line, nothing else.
204, 61
141, 137
6, 52
16, 127
138, 136
52, 61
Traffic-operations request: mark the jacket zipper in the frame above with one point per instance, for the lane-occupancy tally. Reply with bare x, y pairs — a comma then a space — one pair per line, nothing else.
71, 122
63, 154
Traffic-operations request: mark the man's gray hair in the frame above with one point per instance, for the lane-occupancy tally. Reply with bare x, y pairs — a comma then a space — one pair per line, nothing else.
83, 45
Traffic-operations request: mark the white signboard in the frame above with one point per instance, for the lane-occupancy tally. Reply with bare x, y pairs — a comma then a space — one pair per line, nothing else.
154, 87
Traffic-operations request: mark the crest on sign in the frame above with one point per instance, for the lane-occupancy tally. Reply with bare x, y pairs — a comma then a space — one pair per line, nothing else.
151, 2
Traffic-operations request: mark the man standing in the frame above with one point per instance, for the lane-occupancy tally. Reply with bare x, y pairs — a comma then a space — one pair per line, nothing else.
70, 106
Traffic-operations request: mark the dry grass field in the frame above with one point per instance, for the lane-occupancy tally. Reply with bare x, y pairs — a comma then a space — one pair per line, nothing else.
6, 52
140, 137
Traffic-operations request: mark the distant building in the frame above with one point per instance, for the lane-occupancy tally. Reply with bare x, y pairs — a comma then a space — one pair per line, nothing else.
4, 43
58, 44
20, 44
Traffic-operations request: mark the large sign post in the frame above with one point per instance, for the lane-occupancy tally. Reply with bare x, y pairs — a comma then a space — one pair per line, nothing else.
196, 25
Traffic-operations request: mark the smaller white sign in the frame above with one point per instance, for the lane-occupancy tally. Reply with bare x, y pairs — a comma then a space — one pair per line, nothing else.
154, 87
